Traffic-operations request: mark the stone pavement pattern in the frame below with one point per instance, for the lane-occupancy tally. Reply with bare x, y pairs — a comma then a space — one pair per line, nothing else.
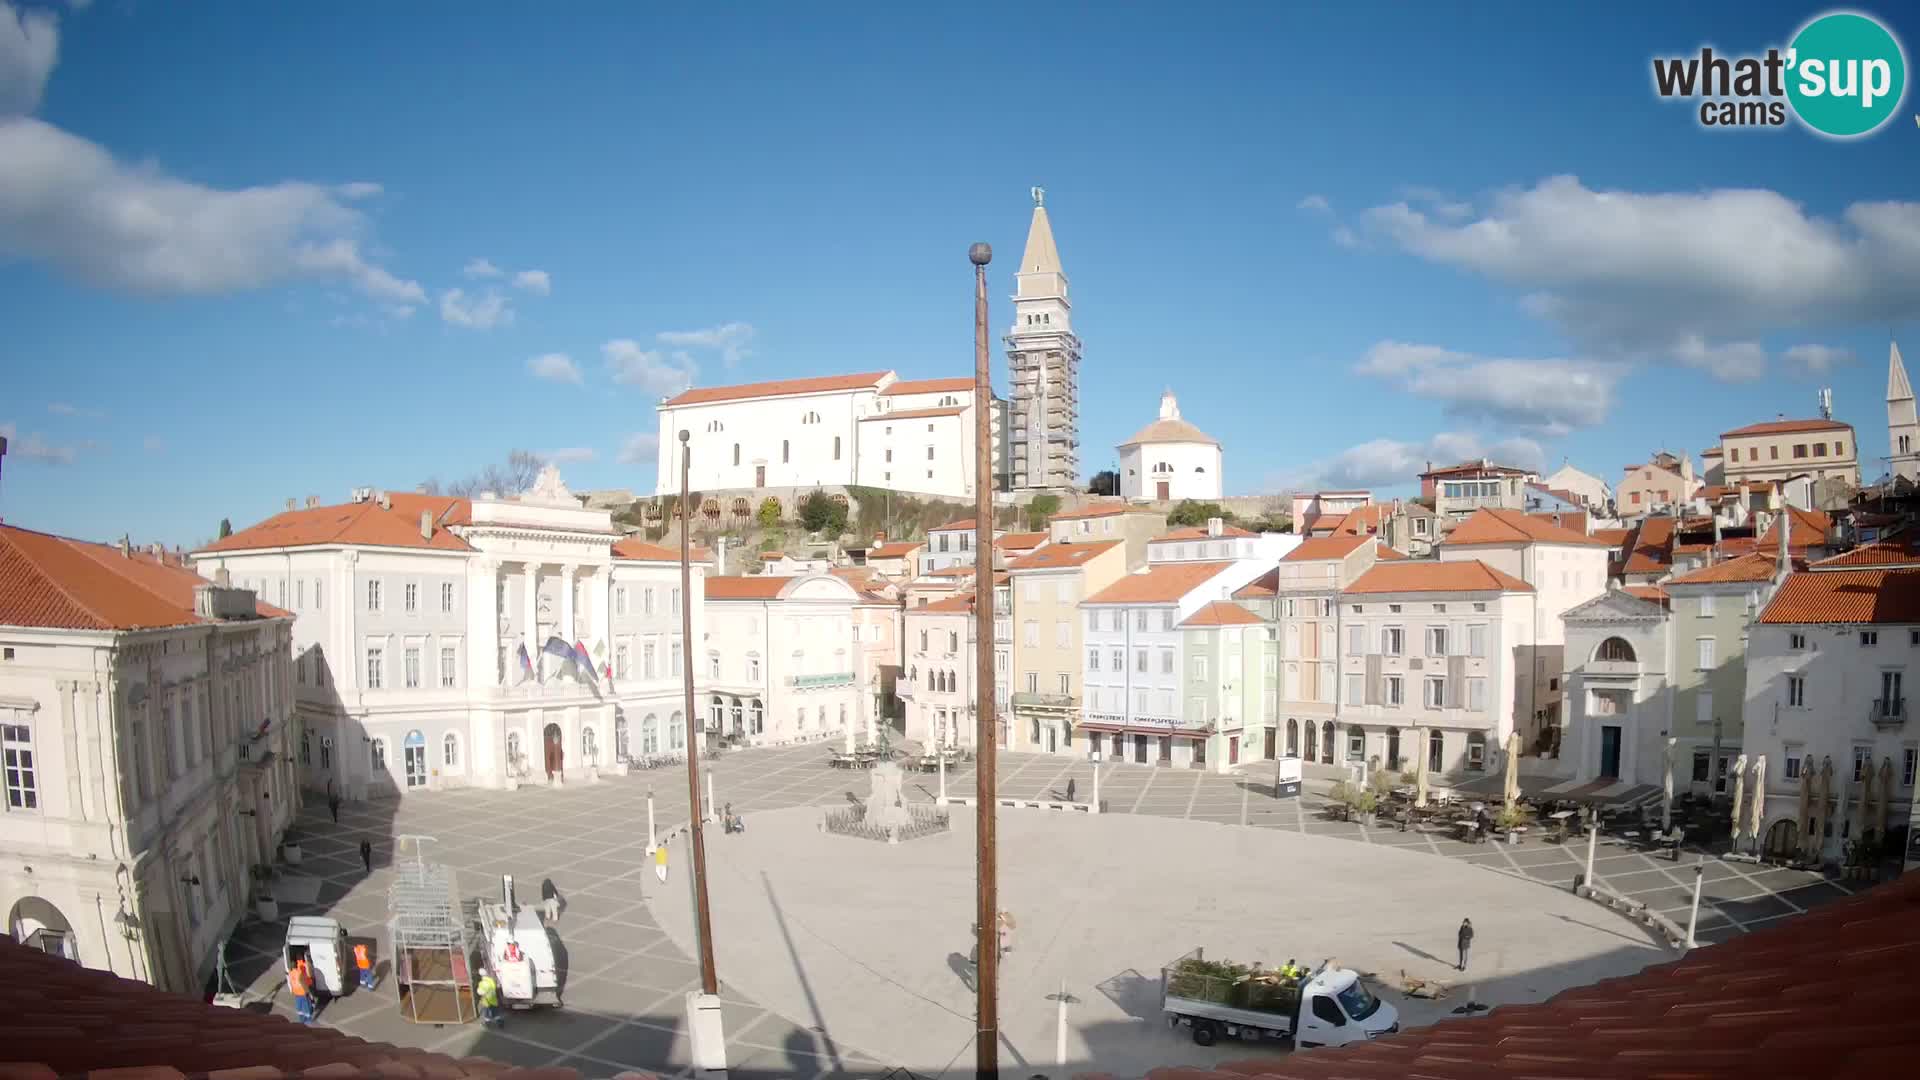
626, 976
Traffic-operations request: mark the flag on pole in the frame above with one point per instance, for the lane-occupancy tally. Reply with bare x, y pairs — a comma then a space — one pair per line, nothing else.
526, 663
557, 646
582, 660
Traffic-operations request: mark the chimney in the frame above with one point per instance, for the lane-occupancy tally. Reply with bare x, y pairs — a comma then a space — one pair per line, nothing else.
1784, 522
426, 525
313, 501
291, 504
720, 556
386, 501
156, 549
222, 578
1215, 526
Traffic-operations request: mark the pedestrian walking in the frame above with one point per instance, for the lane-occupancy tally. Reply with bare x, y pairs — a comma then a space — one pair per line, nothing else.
488, 992
302, 999
1069, 789
1465, 942
333, 805
550, 901
366, 855
364, 961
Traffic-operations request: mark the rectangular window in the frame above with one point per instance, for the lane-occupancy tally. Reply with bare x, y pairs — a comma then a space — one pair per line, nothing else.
319, 598
1869, 637
646, 600
1140, 661
1140, 619
411, 592
1706, 606
1773, 453
622, 660
1093, 619
1030, 632
1436, 641
1908, 760
446, 597
1391, 640
23, 787
753, 664
1477, 641
673, 659
1793, 763
1062, 634
1703, 709
713, 667
1796, 692
1436, 692
1066, 683
1799, 450
673, 596
1702, 766
1819, 449
619, 599
1477, 693
1356, 689
300, 594
1166, 661
650, 662
1289, 607
1394, 694
373, 595
1356, 641
1033, 682
376, 663
1199, 669
1796, 641
449, 666
1862, 761
1705, 648
1119, 660
411, 660
1093, 659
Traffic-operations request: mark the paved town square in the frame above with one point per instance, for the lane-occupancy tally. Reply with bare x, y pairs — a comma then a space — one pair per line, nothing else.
810, 928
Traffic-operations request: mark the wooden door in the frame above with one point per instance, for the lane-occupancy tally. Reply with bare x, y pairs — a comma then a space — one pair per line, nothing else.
1160, 491
556, 751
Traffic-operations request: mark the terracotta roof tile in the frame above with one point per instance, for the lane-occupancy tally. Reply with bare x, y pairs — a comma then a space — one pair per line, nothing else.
1782, 427
1020, 541
1652, 593
1612, 537
1198, 532
755, 587
963, 525
1808, 529
772, 556
55, 582
1106, 508
1325, 547
1429, 575
1903, 550
1753, 567
778, 388
916, 414
1222, 613
959, 604
1847, 596
364, 524
1651, 549
1264, 587
1162, 583
1573, 520
898, 550
1388, 554
1361, 520
1492, 526
1060, 556
959, 571
633, 547
962, 385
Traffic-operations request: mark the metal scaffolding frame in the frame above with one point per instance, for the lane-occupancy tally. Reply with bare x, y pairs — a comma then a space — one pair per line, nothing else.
431, 949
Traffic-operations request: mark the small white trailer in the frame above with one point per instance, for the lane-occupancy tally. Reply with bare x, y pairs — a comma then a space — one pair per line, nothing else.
322, 943
1328, 1007
518, 952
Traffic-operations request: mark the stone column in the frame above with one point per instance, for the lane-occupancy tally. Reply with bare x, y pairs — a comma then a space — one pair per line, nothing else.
568, 631
530, 604
601, 609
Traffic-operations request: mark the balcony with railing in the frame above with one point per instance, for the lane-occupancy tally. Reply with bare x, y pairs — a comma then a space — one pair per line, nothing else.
1028, 700
821, 682
1888, 713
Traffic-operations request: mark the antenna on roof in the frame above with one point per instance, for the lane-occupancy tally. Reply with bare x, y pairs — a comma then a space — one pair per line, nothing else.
1826, 403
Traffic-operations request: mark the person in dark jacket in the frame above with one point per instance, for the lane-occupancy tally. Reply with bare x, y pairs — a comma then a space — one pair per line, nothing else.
1465, 941
366, 855
333, 805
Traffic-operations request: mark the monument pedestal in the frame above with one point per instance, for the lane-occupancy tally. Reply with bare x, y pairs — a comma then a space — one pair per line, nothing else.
706, 1033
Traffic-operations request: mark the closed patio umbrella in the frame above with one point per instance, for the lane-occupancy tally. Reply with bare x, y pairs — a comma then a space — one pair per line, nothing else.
1886, 792
1513, 769
1666, 787
1420, 767
1866, 818
1806, 805
1739, 792
1757, 802
1823, 807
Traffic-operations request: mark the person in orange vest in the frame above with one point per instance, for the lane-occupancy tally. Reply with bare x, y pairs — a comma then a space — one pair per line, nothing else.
363, 961
298, 985
306, 973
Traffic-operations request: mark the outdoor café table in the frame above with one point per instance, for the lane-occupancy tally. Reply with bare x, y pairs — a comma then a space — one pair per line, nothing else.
1561, 822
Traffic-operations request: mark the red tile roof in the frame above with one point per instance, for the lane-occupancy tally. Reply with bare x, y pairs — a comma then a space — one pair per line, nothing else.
1162, 583
1711, 451
1652, 593
1061, 556
1486, 468
1492, 526
1755, 567
1106, 508
1782, 427
1808, 529
1221, 613
963, 525
960, 570
1428, 575
1903, 550
1847, 596
1388, 554
1198, 532
1325, 547
1612, 537
1265, 586
962, 385
1651, 549
1020, 541
756, 587
1361, 520
362, 524
778, 388
916, 414
633, 547
958, 604
57, 583
1574, 520
898, 550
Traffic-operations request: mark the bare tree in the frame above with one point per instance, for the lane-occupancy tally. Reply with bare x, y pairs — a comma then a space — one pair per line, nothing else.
516, 476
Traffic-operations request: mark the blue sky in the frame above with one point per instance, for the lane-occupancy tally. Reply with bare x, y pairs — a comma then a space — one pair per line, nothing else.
1349, 238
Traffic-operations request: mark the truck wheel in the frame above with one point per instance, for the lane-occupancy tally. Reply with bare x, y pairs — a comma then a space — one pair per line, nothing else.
1205, 1032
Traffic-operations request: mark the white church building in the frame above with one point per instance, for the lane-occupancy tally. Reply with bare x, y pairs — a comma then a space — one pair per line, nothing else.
1170, 460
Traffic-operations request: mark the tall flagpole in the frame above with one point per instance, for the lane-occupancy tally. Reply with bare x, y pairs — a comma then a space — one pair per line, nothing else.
709, 981
986, 737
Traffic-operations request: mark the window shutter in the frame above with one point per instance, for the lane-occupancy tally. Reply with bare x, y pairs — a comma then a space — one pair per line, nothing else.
1375, 692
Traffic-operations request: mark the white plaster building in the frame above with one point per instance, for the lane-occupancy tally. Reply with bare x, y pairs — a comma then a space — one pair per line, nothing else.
948, 546
144, 719
1589, 490
1170, 459
1827, 664
1216, 541
414, 612
872, 428
1429, 647
780, 652
1307, 614
1619, 655
1043, 366
939, 686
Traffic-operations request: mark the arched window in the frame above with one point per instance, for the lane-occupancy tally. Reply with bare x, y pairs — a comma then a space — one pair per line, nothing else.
650, 734
736, 453
619, 738
757, 717
450, 750
513, 750
589, 746
1356, 742
786, 451
739, 716
1615, 650
676, 732
1436, 751
1326, 742
716, 712
1312, 742
1293, 738
379, 755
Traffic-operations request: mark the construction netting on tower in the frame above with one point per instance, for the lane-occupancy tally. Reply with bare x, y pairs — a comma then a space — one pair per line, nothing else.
430, 944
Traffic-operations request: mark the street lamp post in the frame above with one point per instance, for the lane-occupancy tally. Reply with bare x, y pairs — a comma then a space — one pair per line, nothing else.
987, 914
704, 1025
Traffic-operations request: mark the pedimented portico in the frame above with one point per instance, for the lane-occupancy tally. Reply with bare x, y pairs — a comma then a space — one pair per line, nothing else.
1620, 706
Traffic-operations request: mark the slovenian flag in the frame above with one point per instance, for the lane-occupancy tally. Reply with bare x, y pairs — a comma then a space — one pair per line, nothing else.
582, 660
526, 662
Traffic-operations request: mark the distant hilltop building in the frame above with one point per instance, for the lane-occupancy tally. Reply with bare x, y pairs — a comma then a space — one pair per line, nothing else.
1043, 365
1170, 459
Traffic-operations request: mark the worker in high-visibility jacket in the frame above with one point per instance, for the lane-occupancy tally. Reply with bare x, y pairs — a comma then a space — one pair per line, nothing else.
363, 960
488, 993
302, 990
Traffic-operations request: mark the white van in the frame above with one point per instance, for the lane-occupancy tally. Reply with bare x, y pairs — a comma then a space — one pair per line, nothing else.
322, 943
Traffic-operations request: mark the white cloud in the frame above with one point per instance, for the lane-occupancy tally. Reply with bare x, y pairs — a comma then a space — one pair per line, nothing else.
154, 444
66, 408
34, 447
1315, 204
1731, 361
1816, 359
476, 313
481, 268
29, 46
533, 281
628, 363
640, 448
1391, 462
1640, 271
568, 455
557, 367
1542, 396
359, 189
730, 340
1345, 237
